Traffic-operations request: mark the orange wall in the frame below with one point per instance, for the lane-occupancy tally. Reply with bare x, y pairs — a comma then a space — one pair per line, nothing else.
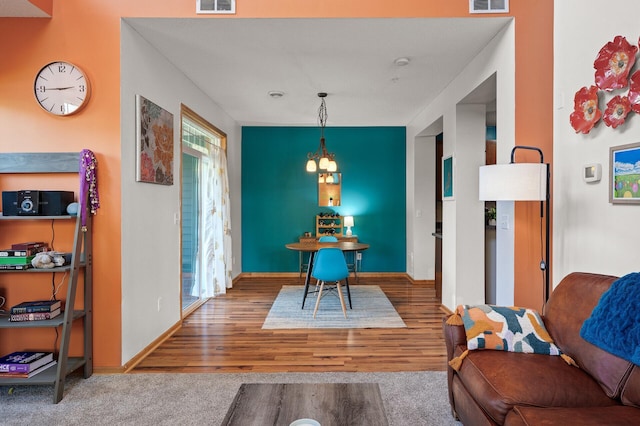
86, 32
534, 127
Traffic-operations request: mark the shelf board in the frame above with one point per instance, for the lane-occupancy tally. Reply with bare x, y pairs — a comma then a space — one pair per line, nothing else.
67, 217
50, 270
55, 322
47, 377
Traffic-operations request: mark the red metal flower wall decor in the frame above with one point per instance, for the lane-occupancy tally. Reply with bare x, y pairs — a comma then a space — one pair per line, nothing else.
585, 113
614, 63
617, 110
613, 66
634, 92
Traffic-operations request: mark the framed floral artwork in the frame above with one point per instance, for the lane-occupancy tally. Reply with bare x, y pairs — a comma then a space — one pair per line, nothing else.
624, 174
154, 128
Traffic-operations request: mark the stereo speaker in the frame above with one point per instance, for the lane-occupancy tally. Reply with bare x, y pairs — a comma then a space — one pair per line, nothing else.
45, 203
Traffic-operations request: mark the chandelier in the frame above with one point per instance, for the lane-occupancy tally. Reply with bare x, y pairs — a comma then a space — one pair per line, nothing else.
322, 159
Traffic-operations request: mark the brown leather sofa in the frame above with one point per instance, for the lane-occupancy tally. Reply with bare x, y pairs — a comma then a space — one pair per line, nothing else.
506, 388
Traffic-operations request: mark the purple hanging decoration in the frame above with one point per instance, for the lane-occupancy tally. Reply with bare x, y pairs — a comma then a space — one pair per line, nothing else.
88, 185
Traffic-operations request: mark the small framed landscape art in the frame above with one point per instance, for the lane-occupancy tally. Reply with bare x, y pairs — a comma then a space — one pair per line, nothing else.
624, 174
447, 177
154, 131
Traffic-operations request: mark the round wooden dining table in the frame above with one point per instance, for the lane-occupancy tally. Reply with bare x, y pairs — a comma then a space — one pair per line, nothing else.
313, 247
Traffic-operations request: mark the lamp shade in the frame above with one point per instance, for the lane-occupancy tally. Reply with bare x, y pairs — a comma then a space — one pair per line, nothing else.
323, 164
311, 166
348, 221
513, 182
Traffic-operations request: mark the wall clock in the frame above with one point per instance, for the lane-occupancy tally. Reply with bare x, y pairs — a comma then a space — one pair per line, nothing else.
61, 88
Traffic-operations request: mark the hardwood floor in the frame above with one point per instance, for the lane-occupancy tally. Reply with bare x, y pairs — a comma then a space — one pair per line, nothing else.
225, 335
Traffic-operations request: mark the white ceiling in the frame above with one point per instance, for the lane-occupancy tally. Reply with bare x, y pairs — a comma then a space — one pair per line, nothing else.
237, 62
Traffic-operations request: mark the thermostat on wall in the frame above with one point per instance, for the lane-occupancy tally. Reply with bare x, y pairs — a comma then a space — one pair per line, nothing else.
592, 172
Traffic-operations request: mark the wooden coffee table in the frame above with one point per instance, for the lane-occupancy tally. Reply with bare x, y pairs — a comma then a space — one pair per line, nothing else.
331, 404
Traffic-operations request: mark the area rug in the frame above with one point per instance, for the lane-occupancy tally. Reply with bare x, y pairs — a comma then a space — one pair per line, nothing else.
371, 309
196, 399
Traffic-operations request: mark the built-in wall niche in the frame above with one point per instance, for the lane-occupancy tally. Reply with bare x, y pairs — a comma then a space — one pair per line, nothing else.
329, 189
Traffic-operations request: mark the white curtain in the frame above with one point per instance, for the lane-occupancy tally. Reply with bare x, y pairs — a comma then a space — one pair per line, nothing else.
216, 225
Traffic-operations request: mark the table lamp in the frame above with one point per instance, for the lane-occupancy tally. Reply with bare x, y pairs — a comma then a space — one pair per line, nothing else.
348, 222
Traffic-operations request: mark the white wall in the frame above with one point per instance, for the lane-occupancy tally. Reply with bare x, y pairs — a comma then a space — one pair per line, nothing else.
420, 260
150, 236
498, 57
589, 233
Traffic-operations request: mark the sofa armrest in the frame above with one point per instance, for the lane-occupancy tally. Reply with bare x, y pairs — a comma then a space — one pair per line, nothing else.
454, 336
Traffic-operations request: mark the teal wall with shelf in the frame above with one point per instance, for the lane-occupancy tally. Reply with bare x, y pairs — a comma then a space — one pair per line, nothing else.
280, 198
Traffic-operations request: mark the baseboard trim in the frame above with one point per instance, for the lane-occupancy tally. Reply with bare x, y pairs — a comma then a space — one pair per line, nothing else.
446, 310
133, 362
360, 274
429, 283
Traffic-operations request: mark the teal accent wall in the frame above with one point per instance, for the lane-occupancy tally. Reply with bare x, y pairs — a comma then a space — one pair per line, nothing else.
280, 198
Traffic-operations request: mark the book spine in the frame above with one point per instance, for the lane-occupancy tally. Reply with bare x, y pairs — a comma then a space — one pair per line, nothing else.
16, 267
34, 316
33, 309
28, 246
12, 253
21, 253
14, 368
16, 260
31, 373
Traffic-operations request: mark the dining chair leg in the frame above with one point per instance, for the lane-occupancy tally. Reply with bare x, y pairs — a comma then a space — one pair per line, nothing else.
344, 308
318, 299
346, 280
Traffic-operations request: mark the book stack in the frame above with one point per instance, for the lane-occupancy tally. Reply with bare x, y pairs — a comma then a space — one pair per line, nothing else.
36, 310
25, 364
19, 256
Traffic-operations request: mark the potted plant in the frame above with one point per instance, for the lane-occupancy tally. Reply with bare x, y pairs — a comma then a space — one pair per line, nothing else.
490, 216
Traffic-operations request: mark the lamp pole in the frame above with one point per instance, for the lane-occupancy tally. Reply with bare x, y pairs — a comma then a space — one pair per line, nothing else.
544, 263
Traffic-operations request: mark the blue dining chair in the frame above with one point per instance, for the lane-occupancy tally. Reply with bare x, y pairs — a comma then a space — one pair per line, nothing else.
330, 267
332, 239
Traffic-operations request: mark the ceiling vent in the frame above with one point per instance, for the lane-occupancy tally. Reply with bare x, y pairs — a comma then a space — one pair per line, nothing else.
488, 6
216, 6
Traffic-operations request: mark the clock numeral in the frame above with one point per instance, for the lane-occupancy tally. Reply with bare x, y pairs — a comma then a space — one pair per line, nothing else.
62, 68
41, 89
81, 88
62, 109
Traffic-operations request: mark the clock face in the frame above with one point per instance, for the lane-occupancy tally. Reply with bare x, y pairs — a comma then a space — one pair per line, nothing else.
61, 88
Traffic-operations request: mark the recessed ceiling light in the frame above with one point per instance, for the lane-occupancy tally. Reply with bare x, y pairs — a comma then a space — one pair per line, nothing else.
276, 94
401, 62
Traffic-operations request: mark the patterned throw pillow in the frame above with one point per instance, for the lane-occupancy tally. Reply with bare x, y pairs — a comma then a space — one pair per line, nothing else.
504, 328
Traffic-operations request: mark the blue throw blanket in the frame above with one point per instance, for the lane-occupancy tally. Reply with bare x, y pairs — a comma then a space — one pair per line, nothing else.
614, 324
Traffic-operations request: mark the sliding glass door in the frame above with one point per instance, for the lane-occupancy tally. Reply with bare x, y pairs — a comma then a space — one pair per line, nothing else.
191, 161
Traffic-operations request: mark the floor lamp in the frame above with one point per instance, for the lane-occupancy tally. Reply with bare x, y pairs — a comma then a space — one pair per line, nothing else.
520, 182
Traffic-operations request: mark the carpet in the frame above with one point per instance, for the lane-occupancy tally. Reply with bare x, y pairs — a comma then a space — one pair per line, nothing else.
371, 309
157, 399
